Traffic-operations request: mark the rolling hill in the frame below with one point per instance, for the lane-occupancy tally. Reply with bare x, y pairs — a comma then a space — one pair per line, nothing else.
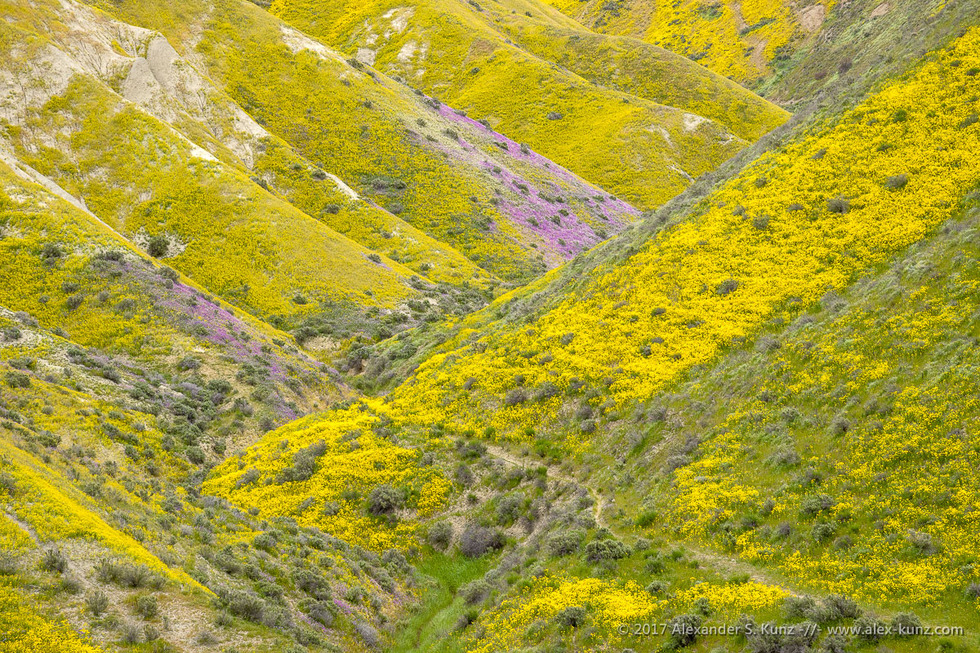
498, 325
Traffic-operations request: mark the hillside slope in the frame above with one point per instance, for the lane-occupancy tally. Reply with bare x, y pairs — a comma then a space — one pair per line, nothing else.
560, 375
740, 40
455, 180
791, 53
638, 148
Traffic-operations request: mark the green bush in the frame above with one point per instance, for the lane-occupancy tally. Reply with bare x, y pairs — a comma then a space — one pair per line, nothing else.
385, 500
17, 380
727, 287
440, 535
599, 550
571, 617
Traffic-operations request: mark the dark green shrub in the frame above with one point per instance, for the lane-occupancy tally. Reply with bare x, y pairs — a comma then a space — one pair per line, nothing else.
17, 380
157, 246
571, 617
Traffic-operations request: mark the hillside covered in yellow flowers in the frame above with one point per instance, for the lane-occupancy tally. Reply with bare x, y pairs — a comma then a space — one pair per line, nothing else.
486, 326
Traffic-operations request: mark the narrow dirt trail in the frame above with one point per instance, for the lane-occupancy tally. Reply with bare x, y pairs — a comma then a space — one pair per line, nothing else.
723, 564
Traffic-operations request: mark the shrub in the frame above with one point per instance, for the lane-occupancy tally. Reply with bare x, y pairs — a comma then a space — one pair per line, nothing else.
906, 624
800, 607
206, 638
515, 396
304, 463
244, 605
658, 587
922, 542
375, 258
835, 643
313, 584
683, 629
554, 115
970, 120
727, 287
837, 606
476, 591
158, 246
132, 634
545, 391
265, 541
54, 560
17, 380
385, 500
897, 182
369, 634
973, 591
813, 505
97, 603
320, 611
9, 564
838, 205
822, 532
797, 637
440, 535
571, 617
196, 455
51, 252
565, 543
761, 222
146, 606
599, 550
868, 629
477, 540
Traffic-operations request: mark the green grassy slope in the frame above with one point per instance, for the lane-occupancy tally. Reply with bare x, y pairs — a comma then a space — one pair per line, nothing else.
640, 150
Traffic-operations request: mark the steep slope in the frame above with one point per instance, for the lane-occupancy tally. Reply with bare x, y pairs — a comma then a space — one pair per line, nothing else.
788, 52
635, 147
740, 40
635, 67
566, 369
455, 180
207, 219
120, 385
